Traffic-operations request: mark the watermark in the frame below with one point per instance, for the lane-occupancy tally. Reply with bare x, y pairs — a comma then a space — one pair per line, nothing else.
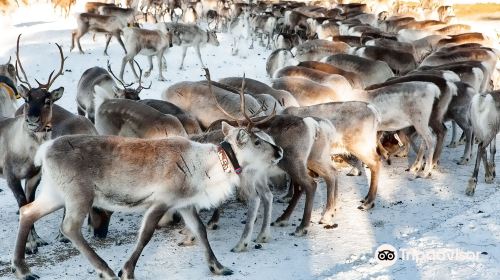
387, 255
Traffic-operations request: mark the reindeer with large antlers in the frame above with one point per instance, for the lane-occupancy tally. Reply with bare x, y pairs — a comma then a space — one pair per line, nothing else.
85, 94
306, 147
21, 136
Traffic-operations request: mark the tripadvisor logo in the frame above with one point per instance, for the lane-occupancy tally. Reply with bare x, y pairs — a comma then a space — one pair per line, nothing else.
386, 254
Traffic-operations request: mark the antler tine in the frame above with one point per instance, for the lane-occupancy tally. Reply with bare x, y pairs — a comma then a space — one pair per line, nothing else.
18, 61
60, 72
243, 106
207, 75
10, 58
273, 113
140, 87
116, 78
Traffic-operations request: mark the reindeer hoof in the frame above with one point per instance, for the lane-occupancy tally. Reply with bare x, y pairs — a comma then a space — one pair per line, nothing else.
283, 223
161, 79
221, 271
489, 179
471, 187
240, 247
124, 276
366, 205
300, 232
263, 238
188, 241
463, 161
213, 226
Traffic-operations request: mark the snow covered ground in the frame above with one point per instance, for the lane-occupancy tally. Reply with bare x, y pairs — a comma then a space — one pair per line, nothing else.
426, 215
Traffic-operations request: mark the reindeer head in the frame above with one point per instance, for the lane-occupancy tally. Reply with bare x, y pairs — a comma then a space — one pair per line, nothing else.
128, 92
38, 101
8, 70
212, 38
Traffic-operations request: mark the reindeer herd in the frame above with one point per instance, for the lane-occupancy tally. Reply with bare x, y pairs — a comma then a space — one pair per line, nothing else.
353, 81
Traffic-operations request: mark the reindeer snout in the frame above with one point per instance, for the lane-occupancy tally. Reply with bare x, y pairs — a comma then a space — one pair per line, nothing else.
278, 154
32, 120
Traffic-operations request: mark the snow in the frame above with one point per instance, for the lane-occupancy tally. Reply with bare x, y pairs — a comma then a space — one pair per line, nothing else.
423, 214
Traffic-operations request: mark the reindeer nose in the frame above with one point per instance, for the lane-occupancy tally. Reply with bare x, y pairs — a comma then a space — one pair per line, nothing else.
32, 120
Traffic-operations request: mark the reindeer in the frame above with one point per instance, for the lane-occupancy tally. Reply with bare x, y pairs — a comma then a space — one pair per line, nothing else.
21, 136
111, 25
355, 135
485, 121
92, 7
65, 6
85, 94
240, 31
189, 123
371, 71
400, 62
149, 43
305, 143
255, 88
190, 35
176, 179
354, 79
186, 95
8, 90
336, 82
263, 25
128, 118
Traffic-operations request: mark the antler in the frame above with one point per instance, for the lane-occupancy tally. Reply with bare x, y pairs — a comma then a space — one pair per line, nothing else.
10, 58
207, 75
116, 78
140, 87
18, 62
59, 73
252, 123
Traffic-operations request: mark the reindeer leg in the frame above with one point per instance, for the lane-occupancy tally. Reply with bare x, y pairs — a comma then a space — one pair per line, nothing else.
453, 142
463, 123
30, 189
372, 160
78, 36
267, 200
282, 221
428, 138
184, 50
253, 208
17, 189
198, 53
108, 39
310, 188
213, 223
331, 179
491, 163
196, 225
119, 38
160, 67
76, 211
148, 72
440, 130
471, 187
28, 215
149, 222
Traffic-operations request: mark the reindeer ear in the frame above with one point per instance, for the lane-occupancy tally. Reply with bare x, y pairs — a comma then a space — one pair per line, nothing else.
226, 128
56, 94
23, 91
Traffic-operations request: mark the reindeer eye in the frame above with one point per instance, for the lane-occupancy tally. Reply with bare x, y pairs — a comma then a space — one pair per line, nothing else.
257, 142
